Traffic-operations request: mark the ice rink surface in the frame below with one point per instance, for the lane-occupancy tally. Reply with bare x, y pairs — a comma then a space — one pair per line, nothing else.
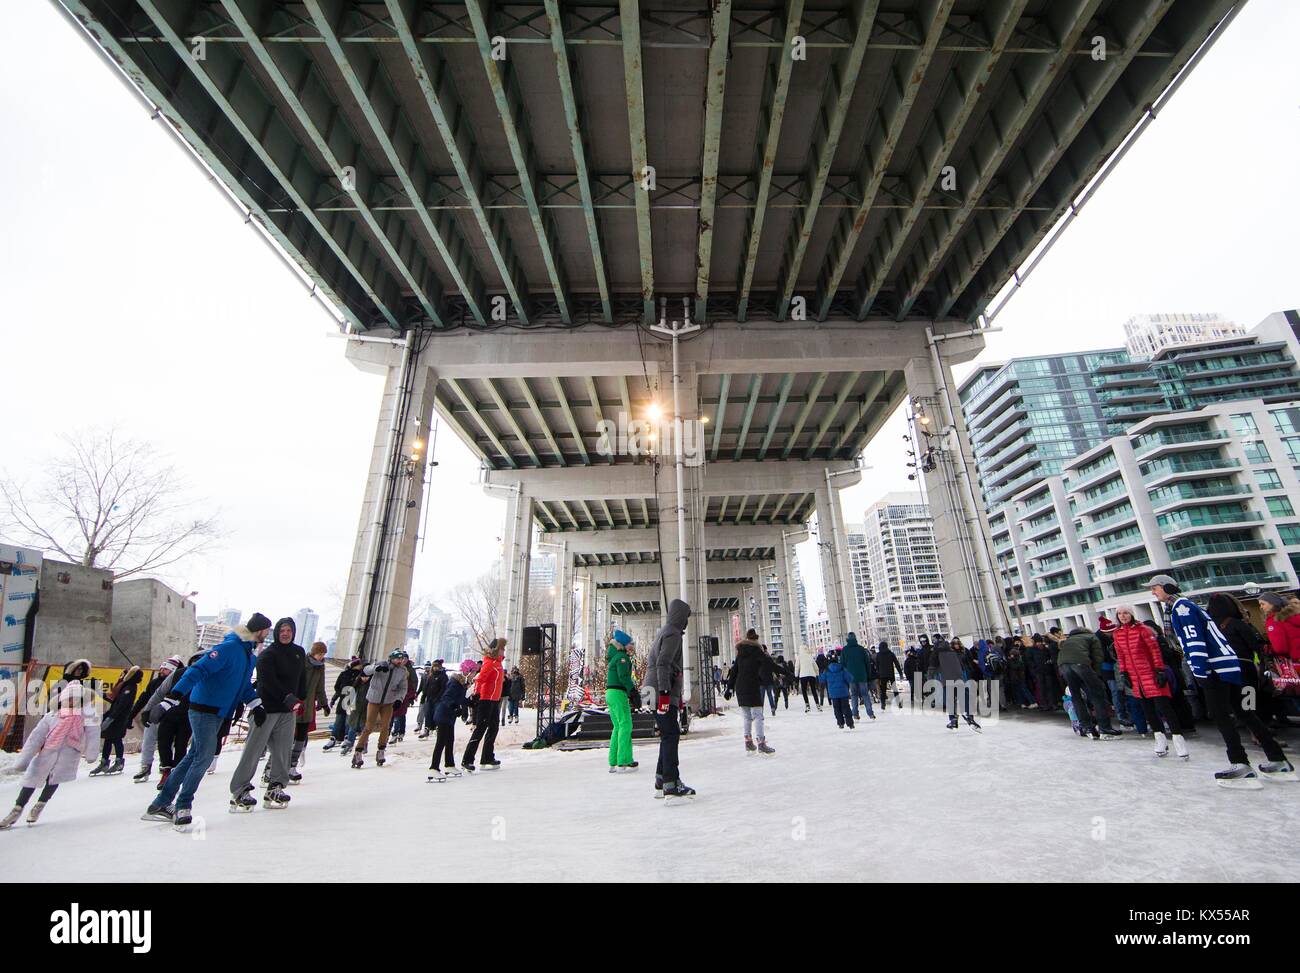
898, 799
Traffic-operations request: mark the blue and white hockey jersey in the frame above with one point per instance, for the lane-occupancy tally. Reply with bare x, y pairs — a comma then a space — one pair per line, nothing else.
1206, 649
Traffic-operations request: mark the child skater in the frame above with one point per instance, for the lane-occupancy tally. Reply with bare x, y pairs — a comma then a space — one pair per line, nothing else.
444, 718
66, 734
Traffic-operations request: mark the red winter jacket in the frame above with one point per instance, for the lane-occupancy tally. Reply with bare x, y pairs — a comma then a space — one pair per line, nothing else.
1283, 628
1139, 657
490, 680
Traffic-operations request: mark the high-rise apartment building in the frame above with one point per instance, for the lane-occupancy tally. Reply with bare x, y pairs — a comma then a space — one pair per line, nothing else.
305, 621
1146, 335
901, 562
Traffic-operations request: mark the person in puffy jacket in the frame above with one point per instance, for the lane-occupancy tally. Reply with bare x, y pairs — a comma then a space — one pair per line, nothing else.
281, 686
619, 688
663, 674
50, 755
1282, 623
488, 686
116, 721
808, 672
388, 684
149, 743
431, 690
838, 683
1142, 674
444, 714
854, 658
215, 685
753, 670
1079, 661
886, 668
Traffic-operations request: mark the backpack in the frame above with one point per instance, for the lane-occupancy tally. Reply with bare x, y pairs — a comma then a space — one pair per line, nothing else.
993, 662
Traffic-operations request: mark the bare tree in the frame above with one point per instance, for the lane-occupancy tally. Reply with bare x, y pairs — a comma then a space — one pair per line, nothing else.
109, 502
478, 603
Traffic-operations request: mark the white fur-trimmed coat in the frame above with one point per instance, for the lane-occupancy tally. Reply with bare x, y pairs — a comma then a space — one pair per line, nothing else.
41, 767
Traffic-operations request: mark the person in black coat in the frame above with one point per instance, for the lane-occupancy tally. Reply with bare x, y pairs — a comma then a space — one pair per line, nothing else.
431, 690
281, 685
753, 671
886, 668
116, 721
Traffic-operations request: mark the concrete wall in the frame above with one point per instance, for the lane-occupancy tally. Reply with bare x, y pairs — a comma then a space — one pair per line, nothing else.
75, 617
151, 622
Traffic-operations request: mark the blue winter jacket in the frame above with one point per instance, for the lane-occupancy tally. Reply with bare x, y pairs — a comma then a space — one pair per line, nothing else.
837, 681
1206, 649
854, 659
223, 678
449, 704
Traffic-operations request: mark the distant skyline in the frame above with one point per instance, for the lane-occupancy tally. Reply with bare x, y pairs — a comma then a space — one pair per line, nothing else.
136, 297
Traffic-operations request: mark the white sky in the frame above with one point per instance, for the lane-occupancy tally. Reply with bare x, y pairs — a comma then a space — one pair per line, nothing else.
134, 295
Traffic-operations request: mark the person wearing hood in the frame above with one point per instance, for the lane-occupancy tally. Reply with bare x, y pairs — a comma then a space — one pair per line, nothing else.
1079, 660
313, 699
281, 687
808, 671
752, 670
444, 713
853, 657
663, 674
886, 668
116, 721
619, 689
216, 684
431, 690
489, 684
839, 683
66, 735
1282, 623
951, 660
149, 744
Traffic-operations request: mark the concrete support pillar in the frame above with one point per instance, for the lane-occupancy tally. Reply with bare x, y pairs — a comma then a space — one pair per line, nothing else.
837, 578
378, 595
975, 606
565, 632
517, 538
789, 622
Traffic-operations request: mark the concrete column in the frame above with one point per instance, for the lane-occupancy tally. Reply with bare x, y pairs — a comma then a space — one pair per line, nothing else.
837, 583
564, 581
961, 535
378, 594
516, 558
789, 622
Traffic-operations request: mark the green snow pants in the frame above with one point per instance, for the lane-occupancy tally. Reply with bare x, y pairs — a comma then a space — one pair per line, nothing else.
620, 738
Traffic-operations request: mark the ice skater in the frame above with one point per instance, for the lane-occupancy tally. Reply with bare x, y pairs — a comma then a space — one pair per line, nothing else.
281, 686
1142, 674
66, 735
116, 721
147, 697
951, 660
746, 680
838, 685
663, 674
444, 713
620, 688
808, 672
488, 686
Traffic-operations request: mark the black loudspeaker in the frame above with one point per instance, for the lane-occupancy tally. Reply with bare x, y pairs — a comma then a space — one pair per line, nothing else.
711, 641
531, 643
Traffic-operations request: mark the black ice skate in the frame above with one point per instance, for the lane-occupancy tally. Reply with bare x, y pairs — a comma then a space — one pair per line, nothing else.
330, 744
143, 775
952, 722
161, 814
491, 764
182, 819
764, 748
970, 721
675, 792
100, 769
244, 801
275, 798
358, 759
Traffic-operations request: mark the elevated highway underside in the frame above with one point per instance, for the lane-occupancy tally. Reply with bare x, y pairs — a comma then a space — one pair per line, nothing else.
833, 192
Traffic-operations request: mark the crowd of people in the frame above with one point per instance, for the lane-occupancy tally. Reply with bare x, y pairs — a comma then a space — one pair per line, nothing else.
1126, 676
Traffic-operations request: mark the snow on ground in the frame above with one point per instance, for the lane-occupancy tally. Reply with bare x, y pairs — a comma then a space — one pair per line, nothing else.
898, 799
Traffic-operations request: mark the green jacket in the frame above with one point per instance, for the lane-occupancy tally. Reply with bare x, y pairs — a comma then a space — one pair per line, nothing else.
1081, 647
618, 669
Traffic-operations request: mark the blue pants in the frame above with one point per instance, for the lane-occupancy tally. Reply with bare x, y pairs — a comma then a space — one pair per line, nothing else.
185, 778
862, 691
340, 726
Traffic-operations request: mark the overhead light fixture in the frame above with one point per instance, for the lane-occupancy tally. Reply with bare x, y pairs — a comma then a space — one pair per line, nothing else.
654, 412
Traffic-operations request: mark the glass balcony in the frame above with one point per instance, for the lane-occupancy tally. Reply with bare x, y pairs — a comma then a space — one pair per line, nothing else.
1190, 551
1186, 493
1169, 467
1170, 524
1065, 581
1118, 544
1150, 443
1119, 517
1205, 582
1101, 499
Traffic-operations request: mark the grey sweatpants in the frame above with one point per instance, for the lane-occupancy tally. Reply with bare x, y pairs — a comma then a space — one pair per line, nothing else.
753, 718
276, 735
149, 746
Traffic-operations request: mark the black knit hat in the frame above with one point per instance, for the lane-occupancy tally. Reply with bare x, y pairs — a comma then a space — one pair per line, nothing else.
257, 622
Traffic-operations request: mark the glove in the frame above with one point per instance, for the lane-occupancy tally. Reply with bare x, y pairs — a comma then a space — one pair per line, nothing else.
664, 703
326, 708
1161, 679
382, 667
168, 702
256, 711
290, 700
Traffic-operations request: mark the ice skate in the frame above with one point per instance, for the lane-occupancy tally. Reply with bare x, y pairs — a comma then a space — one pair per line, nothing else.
166, 771
330, 744
182, 819
952, 722
763, 748
437, 777
116, 767
1180, 746
143, 775
749, 746
160, 814
100, 769
35, 812
1238, 777
243, 802
1111, 734
807, 708
380, 759
275, 798
676, 792
346, 749
1279, 771
1162, 745
358, 759
452, 772
970, 721
659, 787
491, 764
11, 818
468, 768
295, 777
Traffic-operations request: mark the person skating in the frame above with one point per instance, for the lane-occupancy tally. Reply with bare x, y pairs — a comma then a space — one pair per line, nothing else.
951, 662
170, 725
808, 671
343, 700
1218, 672
281, 686
397, 733
1141, 672
513, 695
431, 690
838, 683
116, 721
443, 714
65, 736
853, 657
1079, 660
1282, 623
388, 683
313, 699
886, 668
146, 697
620, 687
215, 685
746, 681
488, 686
663, 676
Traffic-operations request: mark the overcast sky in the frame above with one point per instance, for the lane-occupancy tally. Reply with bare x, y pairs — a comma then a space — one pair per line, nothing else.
134, 295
